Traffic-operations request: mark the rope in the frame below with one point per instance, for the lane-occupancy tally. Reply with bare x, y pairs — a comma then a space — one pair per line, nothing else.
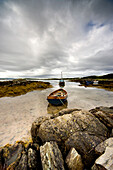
61, 100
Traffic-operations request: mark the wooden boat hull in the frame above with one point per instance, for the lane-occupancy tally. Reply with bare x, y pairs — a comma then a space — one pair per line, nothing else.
57, 102
58, 97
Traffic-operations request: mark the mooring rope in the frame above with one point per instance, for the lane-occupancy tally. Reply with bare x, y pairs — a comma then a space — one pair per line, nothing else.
61, 100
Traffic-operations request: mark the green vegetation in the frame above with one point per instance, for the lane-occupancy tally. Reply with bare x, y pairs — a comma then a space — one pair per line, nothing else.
21, 86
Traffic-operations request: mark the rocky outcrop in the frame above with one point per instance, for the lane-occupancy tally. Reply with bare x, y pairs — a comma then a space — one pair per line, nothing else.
100, 149
18, 87
51, 156
84, 143
79, 129
32, 158
23, 162
72, 139
74, 160
35, 127
62, 127
20, 156
104, 114
105, 161
10, 154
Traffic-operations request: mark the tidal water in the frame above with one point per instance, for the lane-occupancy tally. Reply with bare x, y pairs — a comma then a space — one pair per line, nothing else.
85, 98
18, 113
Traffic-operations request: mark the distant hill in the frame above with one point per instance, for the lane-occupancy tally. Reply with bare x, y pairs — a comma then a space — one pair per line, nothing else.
107, 76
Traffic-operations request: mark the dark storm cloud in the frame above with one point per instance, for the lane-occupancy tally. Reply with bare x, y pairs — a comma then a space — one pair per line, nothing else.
103, 60
42, 37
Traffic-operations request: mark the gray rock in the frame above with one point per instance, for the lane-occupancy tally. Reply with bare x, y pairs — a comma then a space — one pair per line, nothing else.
23, 162
10, 154
105, 161
104, 114
35, 126
51, 156
100, 149
13, 165
85, 144
80, 129
32, 159
74, 160
61, 128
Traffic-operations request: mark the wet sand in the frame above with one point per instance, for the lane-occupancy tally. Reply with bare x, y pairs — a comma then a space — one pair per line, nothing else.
18, 113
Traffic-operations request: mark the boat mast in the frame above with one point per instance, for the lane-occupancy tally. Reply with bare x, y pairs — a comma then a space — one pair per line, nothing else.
61, 75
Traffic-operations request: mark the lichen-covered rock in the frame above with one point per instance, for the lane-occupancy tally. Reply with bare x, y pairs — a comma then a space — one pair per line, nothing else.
10, 153
51, 156
13, 165
105, 161
84, 143
104, 114
79, 129
23, 162
74, 160
71, 128
100, 149
61, 128
32, 159
35, 127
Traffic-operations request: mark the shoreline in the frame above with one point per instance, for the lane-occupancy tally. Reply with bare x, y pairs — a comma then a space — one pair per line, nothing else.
83, 135
17, 113
19, 87
99, 86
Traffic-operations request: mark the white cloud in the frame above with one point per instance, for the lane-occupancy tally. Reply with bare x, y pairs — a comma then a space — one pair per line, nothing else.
41, 37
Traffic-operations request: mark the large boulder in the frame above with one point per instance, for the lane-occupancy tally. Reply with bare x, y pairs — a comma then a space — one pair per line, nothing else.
79, 129
51, 156
61, 128
105, 161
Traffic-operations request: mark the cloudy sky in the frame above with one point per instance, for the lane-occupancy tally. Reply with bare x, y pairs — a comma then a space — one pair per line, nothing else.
44, 37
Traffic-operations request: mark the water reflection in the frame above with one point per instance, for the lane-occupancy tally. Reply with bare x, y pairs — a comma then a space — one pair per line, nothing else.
55, 109
81, 97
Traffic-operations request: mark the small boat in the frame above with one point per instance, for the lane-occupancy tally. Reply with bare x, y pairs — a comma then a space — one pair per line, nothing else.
58, 97
61, 81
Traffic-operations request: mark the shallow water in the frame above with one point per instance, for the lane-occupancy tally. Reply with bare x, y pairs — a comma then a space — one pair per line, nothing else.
18, 113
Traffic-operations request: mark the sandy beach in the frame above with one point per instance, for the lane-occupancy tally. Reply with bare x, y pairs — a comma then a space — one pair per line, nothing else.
18, 113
